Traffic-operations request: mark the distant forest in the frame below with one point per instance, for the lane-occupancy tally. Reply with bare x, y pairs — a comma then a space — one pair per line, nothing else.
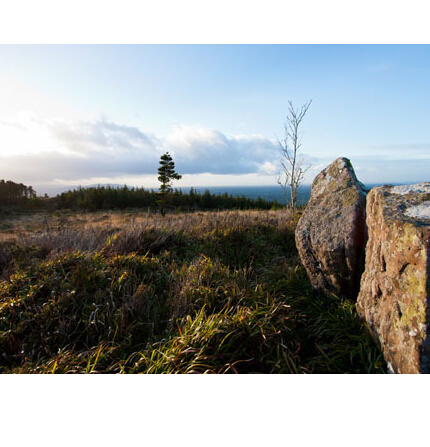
108, 197
12, 193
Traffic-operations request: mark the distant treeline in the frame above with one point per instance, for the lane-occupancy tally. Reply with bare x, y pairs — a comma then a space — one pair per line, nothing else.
107, 197
12, 193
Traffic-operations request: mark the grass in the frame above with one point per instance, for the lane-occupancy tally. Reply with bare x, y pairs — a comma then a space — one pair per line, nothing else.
188, 293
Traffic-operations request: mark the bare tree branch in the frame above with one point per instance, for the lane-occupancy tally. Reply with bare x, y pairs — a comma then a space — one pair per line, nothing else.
293, 168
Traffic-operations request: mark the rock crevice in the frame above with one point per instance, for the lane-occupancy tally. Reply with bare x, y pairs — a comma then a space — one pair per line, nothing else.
394, 291
342, 233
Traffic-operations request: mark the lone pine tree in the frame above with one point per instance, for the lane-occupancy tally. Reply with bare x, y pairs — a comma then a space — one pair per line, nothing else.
166, 175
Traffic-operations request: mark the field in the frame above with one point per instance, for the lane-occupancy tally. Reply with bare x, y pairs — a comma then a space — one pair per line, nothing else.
128, 292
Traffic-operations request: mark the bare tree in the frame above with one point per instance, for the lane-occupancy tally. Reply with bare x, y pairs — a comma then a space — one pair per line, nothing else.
292, 164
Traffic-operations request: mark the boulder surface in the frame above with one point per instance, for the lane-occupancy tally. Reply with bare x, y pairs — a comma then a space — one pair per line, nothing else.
394, 291
331, 234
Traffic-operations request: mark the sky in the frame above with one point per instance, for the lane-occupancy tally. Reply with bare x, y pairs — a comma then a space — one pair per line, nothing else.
93, 114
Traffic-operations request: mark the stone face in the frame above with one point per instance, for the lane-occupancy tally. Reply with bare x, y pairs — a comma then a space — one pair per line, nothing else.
331, 233
394, 291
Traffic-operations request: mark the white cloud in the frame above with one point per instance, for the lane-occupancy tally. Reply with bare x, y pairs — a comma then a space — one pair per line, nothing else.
195, 141
57, 152
89, 137
77, 150
269, 168
203, 150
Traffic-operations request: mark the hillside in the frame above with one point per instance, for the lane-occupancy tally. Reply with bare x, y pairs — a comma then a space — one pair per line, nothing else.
188, 293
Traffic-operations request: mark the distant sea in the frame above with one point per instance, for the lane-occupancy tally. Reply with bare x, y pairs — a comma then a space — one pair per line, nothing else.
270, 193
265, 192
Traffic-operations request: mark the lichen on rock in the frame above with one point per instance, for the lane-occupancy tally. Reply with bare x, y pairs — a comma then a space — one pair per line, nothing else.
331, 233
394, 290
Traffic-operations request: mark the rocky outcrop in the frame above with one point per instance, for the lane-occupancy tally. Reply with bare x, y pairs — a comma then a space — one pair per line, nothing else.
331, 233
394, 291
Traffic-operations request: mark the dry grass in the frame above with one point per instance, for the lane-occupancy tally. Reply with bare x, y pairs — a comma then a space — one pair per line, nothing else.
19, 225
124, 232
204, 292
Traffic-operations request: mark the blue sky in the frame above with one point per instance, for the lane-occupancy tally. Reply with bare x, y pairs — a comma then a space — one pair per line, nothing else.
74, 115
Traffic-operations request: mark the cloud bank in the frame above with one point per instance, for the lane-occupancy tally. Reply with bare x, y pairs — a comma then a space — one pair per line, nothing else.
69, 153
92, 149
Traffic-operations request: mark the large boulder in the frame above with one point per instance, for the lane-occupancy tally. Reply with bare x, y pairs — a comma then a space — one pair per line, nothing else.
394, 293
331, 233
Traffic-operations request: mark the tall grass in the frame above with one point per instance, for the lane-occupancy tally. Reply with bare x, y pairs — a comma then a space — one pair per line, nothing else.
189, 293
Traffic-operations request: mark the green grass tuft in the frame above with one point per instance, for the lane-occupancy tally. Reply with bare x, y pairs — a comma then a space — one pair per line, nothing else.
218, 293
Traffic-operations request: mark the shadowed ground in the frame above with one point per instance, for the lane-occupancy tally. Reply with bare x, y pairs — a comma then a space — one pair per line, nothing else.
203, 292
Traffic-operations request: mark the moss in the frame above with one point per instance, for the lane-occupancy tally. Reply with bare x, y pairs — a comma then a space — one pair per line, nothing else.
333, 170
348, 163
406, 236
412, 283
413, 315
350, 197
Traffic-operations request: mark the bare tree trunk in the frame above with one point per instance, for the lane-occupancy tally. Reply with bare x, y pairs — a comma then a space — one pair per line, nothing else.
293, 170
